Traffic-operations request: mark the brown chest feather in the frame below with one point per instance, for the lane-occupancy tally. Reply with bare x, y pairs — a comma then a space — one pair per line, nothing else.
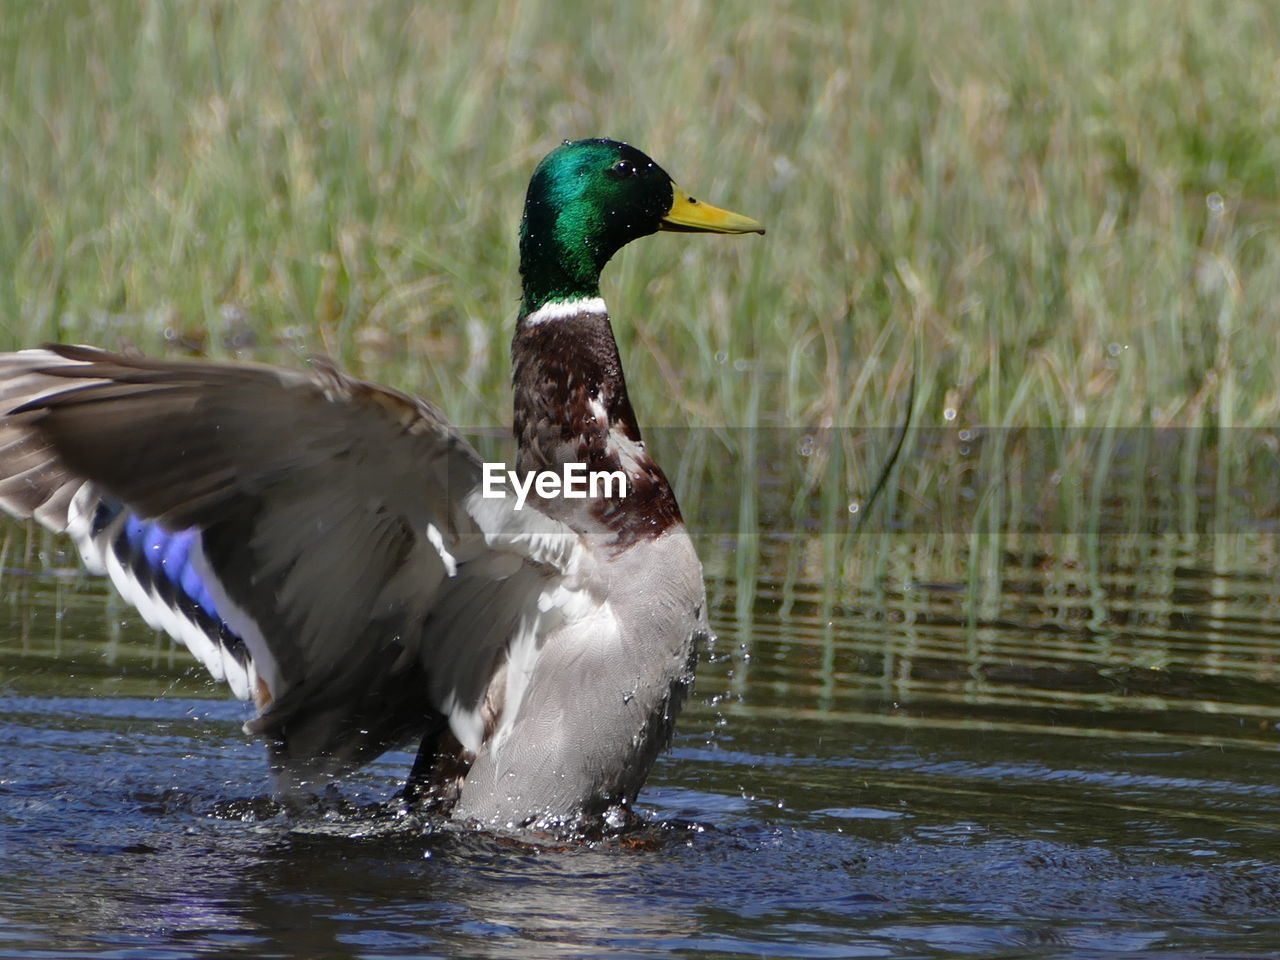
571, 406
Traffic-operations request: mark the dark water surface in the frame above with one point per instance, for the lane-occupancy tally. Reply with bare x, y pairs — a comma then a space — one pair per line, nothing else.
1066, 749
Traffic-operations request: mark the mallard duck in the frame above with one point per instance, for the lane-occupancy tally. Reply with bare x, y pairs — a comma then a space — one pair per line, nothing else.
339, 554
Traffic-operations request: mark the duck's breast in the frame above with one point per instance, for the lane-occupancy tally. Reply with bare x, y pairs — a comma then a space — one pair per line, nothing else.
604, 679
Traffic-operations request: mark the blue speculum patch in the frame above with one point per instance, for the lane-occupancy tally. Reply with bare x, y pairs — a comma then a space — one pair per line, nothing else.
168, 556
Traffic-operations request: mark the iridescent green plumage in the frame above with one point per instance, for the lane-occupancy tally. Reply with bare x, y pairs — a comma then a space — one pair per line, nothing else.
588, 199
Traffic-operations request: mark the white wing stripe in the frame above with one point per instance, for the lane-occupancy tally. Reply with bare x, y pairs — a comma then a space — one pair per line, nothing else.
239, 621
242, 669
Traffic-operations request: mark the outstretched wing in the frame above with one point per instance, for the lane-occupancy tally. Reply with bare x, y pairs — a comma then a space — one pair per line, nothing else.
295, 530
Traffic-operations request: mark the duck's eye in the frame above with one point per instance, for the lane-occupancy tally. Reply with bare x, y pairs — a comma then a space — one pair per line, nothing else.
623, 168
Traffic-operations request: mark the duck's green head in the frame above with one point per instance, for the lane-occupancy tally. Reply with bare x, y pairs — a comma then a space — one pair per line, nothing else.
588, 199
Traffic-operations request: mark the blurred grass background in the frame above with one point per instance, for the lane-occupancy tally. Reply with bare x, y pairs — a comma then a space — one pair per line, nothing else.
1058, 216
1048, 215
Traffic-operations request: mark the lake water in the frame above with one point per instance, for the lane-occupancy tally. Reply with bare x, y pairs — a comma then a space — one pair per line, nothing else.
1049, 747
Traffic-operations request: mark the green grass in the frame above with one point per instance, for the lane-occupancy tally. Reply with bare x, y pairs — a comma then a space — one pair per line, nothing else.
1049, 214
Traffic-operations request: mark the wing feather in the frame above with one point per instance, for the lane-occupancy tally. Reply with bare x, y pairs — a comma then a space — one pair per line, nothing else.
336, 528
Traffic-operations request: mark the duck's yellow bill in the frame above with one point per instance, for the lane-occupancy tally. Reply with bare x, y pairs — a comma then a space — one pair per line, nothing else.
694, 216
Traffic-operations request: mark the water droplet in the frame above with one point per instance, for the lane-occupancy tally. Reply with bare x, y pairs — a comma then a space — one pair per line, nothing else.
1215, 203
949, 414
854, 507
